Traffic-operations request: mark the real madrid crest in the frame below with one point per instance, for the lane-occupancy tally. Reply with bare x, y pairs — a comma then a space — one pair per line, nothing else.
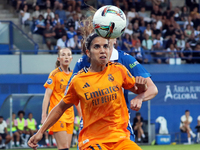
110, 77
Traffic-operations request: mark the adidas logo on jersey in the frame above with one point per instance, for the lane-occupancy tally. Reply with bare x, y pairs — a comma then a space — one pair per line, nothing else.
86, 85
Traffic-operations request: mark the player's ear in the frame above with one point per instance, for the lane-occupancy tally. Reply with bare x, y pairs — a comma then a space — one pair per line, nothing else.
87, 52
58, 58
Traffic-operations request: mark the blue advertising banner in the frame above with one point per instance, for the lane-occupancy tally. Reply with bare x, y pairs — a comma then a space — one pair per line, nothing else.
177, 93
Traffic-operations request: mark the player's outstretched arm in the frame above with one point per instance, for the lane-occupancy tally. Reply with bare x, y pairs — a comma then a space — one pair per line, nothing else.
52, 118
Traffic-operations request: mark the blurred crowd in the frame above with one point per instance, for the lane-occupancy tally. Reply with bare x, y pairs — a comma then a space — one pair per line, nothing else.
156, 31
23, 128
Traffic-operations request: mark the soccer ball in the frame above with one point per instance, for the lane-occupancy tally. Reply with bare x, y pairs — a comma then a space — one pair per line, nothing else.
109, 21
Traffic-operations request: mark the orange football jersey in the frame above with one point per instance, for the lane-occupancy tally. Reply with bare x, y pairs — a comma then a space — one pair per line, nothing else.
104, 110
57, 81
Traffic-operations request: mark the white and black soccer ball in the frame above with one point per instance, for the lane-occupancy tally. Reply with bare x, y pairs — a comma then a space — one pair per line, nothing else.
109, 21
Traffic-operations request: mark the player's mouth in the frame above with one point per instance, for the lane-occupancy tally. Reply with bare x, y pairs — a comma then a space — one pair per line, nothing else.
103, 57
66, 61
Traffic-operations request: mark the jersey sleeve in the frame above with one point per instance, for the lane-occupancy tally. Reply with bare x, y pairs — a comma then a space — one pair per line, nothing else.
135, 68
183, 119
82, 62
51, 82
198, 118
71, 96
128, 79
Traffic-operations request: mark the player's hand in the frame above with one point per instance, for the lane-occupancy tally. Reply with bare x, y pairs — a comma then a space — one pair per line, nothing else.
140, 84
136, 104
34, 140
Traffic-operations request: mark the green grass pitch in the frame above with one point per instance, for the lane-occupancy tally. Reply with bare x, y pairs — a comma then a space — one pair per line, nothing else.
155, 147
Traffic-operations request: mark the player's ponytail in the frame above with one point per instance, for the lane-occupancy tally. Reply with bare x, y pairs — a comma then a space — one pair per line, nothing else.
86, 28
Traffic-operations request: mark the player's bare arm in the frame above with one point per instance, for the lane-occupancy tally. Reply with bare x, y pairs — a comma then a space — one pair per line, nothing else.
45, 104
52, 118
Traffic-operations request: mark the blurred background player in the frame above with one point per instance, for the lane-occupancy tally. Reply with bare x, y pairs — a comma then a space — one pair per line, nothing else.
31, 124
5, 138
15, 134
107, 109
21, 125
186, 120
76, 130
55, 89
137, 126
198, 129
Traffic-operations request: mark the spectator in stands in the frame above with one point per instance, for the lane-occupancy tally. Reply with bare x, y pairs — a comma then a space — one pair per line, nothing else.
172, 40
20, 4
132, 14
186, 120
196, 21
31, 124
186, 53
154, 29
171, 52
194, 12
123, 4
127, 43
192, 41
188, 31
15, 134
49, 12
135, 40
25, 16
129, 29
155, 11
159, 54
4, 134
59, 31
58, 19
178, 31
69, 12
196, 53
184, 14
169, 32
198, 129
74, 21
181, 43
39, 25
197, 33
158, 39
191, 4
177, 15
143, 14
36, 13
148, 31
139, 54
159, 23
189, 21
168, 13
61, 13
48, 20
136, 30
49, 35
147, 43
21, 125
137, 127
62, 42
78, 11
71, 32
74, 43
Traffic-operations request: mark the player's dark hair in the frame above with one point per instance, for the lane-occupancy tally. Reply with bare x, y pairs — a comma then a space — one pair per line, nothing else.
138, 114
1, 117
187, 110
21, 111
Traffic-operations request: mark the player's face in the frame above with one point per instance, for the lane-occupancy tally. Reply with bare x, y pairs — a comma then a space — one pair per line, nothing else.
99, 52
65, 57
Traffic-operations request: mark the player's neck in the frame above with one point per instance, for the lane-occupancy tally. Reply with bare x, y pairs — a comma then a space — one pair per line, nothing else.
65, 69
96, 68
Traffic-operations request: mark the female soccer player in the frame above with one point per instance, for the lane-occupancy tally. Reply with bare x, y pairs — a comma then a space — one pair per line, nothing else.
55, 89
134, 67
99, 91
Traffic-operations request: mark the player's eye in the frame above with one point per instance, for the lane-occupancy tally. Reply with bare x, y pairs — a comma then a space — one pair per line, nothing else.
105, 46
96, 46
